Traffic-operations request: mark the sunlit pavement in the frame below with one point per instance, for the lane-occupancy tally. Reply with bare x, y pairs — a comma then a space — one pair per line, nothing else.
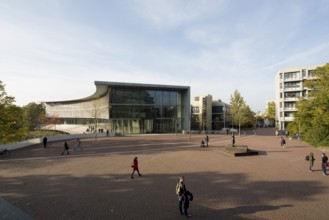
95, 183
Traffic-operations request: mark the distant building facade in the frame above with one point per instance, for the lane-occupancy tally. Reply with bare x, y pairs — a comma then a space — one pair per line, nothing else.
209, 114
128, 108
289, 89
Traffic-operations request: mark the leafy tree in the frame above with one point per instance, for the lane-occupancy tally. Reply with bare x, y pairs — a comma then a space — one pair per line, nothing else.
236, 105
240, 112
195, 124
248, 118
270, 110
11, 129
293, 127
259, 118
216, 123
313, 115
33, 115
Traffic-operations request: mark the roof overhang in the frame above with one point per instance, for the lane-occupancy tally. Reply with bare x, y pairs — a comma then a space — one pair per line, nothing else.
102, 88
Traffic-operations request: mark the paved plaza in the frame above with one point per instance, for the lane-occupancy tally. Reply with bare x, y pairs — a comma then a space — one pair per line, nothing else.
95, 183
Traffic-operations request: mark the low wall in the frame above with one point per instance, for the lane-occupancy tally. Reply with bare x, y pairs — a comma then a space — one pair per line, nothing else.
30, 142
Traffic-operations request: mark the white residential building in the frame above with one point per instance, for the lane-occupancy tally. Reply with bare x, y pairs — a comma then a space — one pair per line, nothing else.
209, 114
201, 112
290, 88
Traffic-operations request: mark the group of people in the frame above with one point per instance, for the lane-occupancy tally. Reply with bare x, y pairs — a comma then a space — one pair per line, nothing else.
324, 162
185, 196
76, 146
66, 146
310, 158
204, 143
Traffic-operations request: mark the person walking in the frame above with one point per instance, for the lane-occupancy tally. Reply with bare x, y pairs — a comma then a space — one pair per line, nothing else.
78, 144
283, 142
66, 148
44, 141
183, 202
207, 140
324, 164
311, 160
135, 168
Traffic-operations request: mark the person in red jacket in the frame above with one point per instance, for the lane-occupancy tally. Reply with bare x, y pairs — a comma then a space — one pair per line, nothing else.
135, 168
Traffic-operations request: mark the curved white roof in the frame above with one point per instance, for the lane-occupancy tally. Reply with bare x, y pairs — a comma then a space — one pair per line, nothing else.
102, 88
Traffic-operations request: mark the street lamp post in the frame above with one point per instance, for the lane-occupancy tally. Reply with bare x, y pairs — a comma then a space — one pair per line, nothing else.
239, 120
176, 125
224, 109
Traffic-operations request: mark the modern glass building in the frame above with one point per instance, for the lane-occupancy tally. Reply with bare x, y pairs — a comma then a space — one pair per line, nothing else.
128, 108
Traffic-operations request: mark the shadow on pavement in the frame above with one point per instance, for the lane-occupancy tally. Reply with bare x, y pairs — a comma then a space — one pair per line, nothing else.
113, 196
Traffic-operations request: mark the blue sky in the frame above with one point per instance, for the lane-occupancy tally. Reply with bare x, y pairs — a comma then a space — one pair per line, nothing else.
54, 50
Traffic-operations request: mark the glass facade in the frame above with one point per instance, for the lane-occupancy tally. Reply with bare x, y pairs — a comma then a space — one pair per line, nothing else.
140, 111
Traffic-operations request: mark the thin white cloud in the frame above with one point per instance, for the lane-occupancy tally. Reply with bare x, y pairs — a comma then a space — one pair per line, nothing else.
309, 56
175, 13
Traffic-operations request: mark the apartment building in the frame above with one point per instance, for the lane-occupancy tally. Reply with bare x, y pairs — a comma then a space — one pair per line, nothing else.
289, 89
209, 114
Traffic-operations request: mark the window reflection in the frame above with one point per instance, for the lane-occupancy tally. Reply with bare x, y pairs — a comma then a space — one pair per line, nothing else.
145, 111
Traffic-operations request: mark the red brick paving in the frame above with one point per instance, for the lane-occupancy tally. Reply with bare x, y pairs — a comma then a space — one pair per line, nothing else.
95, 183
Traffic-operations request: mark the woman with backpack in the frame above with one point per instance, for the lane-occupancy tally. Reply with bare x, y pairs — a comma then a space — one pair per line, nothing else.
184, 197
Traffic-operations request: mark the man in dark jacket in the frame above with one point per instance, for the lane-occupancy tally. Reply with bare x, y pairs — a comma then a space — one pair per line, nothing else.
45, 140
324, 164
66, 148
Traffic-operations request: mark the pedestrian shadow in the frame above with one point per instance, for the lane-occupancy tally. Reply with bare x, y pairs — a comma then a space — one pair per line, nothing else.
316, 170
278, 151
233, 213
297, 147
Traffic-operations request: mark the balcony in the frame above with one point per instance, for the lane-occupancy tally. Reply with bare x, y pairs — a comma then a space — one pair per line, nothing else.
292, 79
293, 89
291, 118
291, 99
290, 109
